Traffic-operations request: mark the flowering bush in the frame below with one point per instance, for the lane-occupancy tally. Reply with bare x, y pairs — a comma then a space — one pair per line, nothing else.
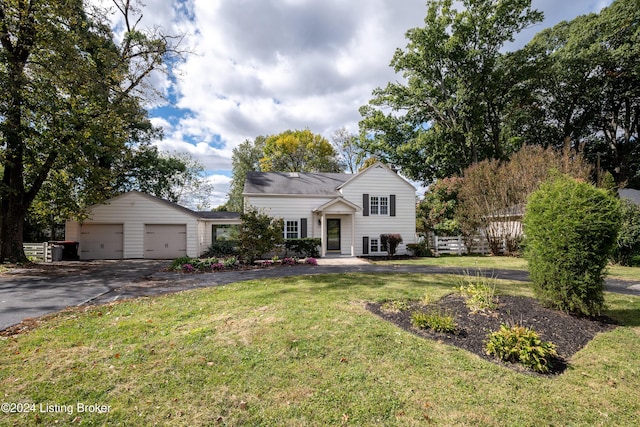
289, 261
217, 266
311, 261
187, 268
266, 263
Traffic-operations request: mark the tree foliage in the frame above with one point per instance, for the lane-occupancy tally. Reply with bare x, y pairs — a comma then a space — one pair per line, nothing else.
437, 211
493, 193
70, 105
571, 228
298, 151
627, 247
347, 147
585, 89
449, 113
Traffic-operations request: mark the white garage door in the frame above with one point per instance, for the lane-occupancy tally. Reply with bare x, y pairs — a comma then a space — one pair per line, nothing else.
163, 241
101, 241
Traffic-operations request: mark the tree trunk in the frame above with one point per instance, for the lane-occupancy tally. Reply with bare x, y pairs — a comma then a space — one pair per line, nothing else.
12, 218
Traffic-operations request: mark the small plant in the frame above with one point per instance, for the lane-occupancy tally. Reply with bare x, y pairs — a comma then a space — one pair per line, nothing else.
177, 264
479, 295
390, 243
188, 268
266, 263
394, 306
518, 344
217, 266
275, 259
289, 261
438, 321
311, 261
230, 262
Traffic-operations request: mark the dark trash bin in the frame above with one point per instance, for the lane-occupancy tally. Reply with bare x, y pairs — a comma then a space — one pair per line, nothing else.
69, 250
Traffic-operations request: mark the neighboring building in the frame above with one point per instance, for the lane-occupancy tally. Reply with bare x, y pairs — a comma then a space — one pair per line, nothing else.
348, 212
137, 225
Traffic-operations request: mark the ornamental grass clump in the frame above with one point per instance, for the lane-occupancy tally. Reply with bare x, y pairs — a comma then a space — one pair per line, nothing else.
571, 228
479, 294
518, 344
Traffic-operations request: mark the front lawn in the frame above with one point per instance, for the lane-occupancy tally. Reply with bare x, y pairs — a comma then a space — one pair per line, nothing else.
500, 262
301, 351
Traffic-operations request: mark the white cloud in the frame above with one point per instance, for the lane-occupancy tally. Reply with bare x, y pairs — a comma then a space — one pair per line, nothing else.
264, 66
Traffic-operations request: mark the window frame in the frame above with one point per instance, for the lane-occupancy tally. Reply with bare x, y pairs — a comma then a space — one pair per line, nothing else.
379, 205
293, 230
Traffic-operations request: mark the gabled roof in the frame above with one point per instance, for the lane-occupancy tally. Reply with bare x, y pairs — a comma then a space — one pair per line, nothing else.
197, 214
372, 167
285, 183
339, 200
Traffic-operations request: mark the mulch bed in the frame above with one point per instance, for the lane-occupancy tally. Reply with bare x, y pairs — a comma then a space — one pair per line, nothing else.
568, 333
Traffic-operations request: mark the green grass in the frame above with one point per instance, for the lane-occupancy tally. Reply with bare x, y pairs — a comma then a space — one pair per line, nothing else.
302, 352
500, 262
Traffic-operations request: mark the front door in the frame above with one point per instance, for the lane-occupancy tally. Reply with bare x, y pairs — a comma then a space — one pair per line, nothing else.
333, 234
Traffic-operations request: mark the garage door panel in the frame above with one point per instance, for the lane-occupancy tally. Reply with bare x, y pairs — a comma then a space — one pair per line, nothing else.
101, 241
165, 241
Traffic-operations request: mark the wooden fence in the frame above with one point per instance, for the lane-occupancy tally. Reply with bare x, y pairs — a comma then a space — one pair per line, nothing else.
458, 245
38, 251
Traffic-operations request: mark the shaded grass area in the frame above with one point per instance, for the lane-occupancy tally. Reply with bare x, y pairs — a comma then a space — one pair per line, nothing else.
500, 262
303, 351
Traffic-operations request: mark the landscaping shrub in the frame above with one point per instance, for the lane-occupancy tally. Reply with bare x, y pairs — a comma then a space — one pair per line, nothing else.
521, 345
308, 247
230, 262
420, 249
627, 246
437, 321
177, 263
571, 228
222, 248
390, 243
258, 234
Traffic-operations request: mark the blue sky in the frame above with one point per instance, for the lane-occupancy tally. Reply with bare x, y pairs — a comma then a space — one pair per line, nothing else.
264, 66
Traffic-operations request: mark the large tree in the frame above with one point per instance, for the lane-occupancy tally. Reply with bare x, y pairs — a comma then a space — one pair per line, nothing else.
585, 90
448, 113
70, 103
299, 151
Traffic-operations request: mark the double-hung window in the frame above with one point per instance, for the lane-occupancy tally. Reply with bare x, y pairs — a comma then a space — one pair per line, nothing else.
374, 245
379, 205
291, 229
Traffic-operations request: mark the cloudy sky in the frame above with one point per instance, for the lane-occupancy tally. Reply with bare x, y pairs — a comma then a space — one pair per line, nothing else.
264, 66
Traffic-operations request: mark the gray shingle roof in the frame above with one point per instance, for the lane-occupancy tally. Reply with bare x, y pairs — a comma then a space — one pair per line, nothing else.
295, 183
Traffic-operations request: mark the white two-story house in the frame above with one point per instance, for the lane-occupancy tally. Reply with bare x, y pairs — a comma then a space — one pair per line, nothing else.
348, 212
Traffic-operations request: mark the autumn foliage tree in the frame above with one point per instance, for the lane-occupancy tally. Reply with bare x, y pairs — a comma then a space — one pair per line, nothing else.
493, 194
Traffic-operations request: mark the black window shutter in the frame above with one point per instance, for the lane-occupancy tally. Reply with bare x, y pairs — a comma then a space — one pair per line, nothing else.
365, 205
303, 228
365, 245
392, 205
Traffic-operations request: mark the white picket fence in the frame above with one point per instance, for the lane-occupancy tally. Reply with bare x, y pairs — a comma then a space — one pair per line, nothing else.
38, 251
457, 245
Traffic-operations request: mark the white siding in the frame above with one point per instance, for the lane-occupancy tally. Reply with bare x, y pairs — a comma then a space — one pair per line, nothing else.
290, 208
375, 181
380, 181
134, 210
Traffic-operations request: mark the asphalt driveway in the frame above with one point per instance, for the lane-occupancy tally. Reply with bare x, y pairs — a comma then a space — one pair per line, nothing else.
49, 288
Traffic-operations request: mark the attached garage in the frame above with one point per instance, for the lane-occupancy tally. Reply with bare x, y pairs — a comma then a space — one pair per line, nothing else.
165, 241
138, 225
101, 241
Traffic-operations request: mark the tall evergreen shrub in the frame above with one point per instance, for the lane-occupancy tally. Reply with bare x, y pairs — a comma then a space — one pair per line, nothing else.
571, 228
